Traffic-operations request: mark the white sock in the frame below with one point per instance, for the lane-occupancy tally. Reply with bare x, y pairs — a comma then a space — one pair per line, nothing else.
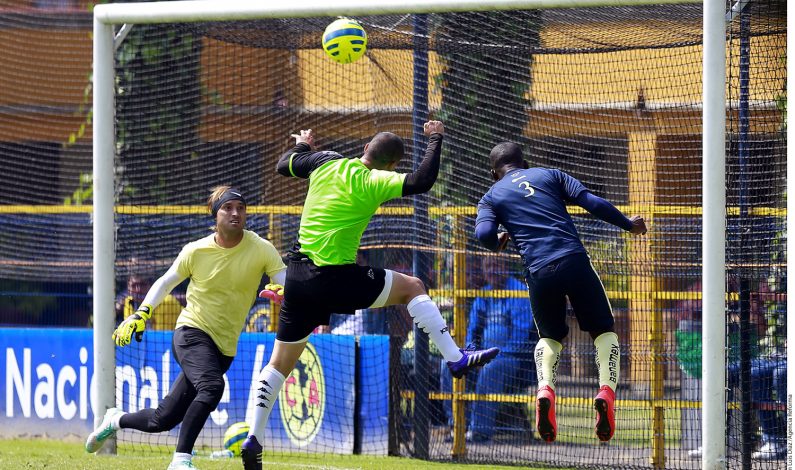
269, 382
115, 421
608, 359
547, 355
181, 457
426, 316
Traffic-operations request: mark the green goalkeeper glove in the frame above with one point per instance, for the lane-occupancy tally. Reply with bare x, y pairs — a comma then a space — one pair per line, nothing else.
134, 324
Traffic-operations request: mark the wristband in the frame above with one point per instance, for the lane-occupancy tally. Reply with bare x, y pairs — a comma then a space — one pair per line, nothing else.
145, 311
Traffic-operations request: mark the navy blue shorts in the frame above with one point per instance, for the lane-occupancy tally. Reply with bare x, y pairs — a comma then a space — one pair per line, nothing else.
572, 276
312, 293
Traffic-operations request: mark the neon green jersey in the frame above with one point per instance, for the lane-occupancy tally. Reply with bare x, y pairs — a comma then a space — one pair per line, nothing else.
223, 284
343, 195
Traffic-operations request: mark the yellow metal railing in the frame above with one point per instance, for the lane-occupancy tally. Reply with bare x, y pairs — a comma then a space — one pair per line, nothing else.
647, 210
643, 294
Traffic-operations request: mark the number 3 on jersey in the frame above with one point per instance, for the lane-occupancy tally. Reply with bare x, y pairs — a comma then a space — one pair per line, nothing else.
526, 186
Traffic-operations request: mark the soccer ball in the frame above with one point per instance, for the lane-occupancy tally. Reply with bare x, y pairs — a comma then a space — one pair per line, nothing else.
234, 437
345, 40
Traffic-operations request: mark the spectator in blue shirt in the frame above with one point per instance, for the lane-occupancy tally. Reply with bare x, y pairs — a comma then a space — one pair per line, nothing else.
506, 322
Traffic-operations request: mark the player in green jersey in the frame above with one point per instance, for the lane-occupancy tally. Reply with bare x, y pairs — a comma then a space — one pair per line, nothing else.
322, 274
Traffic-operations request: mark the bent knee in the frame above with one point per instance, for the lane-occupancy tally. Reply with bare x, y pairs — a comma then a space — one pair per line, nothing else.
404, 288
414, 287
211, 392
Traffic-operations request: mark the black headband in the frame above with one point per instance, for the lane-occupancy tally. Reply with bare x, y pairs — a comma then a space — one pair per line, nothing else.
230, 194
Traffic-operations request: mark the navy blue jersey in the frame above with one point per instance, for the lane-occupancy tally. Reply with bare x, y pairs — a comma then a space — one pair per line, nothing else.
531, 205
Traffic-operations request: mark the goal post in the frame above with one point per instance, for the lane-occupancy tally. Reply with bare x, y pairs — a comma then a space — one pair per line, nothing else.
104, 252
713, 416
104, 149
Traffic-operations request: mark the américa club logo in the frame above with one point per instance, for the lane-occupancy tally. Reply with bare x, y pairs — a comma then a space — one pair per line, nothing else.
302, 399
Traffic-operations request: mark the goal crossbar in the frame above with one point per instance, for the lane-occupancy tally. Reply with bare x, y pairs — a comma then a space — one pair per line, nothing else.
195, 11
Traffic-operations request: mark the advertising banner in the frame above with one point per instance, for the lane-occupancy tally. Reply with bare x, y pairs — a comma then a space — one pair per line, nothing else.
48, 377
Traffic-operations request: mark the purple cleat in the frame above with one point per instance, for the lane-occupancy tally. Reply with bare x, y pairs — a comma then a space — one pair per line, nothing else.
472, 358
251, 452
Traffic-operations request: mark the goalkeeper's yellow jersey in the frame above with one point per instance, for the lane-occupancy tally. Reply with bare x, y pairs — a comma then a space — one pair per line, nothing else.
223, 284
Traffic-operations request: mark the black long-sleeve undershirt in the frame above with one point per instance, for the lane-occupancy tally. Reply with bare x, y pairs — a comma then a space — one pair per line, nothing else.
300, 161
421, 180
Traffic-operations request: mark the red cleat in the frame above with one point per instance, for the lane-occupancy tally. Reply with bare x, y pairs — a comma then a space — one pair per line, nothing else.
605, 416
545, 414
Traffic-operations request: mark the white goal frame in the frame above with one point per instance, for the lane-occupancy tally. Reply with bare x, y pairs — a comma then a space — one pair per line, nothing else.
714, 152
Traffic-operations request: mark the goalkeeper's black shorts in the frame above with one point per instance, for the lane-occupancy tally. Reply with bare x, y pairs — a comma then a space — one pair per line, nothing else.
312, 293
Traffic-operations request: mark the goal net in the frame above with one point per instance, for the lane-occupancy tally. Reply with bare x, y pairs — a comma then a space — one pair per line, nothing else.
611, 95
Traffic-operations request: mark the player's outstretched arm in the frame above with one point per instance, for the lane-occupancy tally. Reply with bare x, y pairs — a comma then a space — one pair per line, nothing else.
422, 179
602, 209
304, 143
302, 159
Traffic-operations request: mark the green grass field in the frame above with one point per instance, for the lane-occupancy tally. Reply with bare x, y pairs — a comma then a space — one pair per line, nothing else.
45, 454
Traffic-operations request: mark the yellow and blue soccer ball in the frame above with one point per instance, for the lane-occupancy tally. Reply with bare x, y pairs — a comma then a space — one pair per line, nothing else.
234, 437
345, 40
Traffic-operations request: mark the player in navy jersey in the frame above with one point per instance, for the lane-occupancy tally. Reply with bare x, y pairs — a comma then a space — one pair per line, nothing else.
530, 203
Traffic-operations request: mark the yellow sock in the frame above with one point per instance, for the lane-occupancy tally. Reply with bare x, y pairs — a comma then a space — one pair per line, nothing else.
608, 359
547, 356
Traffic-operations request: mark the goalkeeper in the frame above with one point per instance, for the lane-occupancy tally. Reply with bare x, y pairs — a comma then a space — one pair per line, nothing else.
225, 269
531, 204
322, 274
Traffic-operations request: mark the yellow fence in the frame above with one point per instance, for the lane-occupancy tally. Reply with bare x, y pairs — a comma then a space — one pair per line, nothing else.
642, 295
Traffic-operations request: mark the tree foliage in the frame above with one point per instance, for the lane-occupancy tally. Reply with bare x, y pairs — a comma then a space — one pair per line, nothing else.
158, 111
485, 102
